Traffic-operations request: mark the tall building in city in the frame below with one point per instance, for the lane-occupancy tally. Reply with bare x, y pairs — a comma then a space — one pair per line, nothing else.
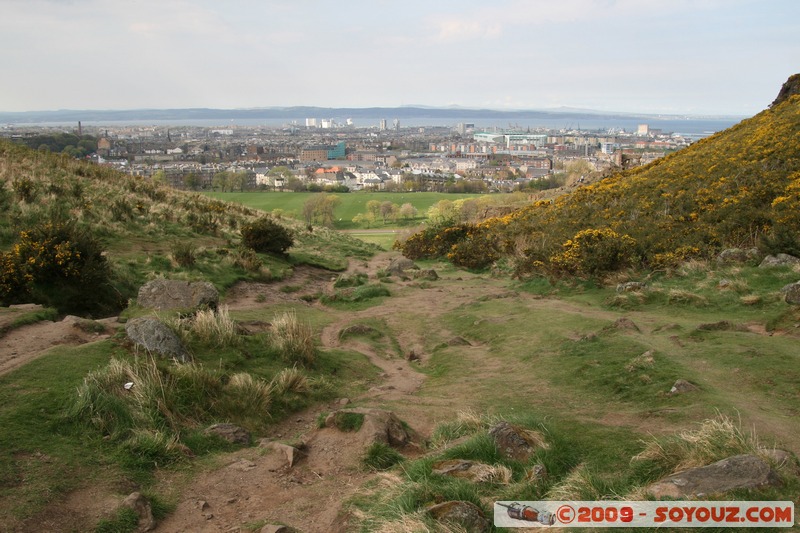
383, 125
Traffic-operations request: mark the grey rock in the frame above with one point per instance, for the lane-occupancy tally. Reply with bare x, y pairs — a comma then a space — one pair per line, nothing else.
737, 472
426, 274
274, 528
738, 255
791, 293
515, 442
682, 386
779, 260
155, 336
379, 426
165, 294
464, 514
631, 286
399, 265
230, 432
141, 506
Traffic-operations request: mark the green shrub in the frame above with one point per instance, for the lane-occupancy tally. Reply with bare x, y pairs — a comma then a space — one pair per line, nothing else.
184, 254
350, 280
266, 236
347, 421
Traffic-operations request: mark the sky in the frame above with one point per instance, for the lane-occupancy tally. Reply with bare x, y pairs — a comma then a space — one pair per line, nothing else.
701, 57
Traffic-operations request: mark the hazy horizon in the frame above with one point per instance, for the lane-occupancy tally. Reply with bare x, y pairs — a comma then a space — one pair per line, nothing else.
685, 57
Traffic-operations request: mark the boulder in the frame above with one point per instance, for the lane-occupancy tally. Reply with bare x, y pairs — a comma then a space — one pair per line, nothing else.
141, 506
426, 274
623, 324
378, 426
291, 453
165, 294
791, 293
536, 474
155, 336
230, 432
682, 386
779, 260
738, 255
399, 265
465, 514
515, 442
631, 286
737, 472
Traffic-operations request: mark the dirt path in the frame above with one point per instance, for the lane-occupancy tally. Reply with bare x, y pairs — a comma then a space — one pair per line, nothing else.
22, 345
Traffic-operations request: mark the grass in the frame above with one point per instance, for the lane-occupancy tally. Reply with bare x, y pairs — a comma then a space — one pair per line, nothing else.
380, 456
293, 339
350, 205
13, 318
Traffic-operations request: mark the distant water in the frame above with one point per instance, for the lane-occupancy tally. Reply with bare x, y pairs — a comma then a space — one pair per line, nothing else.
692, 127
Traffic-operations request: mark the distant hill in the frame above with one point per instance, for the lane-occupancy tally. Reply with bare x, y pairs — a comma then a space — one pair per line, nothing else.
301, 112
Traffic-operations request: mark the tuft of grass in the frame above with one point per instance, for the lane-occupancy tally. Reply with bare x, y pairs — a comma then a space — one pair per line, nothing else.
350, 280
467, 422
290, 381
347, 421
380, 456
715, 439
214, 327
293, 339
686, 297
125, 520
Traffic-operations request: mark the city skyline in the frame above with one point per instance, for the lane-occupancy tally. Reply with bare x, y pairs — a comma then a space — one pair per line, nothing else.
702, 57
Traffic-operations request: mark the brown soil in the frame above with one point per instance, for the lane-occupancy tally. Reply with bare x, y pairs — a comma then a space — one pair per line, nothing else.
24, 344
245, 489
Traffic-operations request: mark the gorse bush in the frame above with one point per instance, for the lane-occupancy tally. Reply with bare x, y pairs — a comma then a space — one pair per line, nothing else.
59, 265
595, 252
266, 236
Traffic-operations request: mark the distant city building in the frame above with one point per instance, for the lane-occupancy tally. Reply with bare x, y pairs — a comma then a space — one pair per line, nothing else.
643, 130
311, 123
382, 126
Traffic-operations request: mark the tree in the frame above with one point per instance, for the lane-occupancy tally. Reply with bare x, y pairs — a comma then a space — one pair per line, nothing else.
220, 181
320, 208
236, 180
388, 210
191, 181
408, 211
159, 177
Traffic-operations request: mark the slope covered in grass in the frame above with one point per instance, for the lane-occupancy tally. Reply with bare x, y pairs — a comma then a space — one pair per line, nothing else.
737, 188
136, 228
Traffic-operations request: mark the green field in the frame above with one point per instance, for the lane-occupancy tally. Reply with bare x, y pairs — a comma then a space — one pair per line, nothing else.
351, 203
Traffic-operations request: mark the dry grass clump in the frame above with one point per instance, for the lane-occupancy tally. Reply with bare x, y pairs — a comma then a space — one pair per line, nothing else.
715, 439
291, 380
215, 327
680, 296
579, 484
467, 422
253, 394
750, 299
294, 339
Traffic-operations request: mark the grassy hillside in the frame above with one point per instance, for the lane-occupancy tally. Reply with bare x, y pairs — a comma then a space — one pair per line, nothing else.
142, 230
738, 188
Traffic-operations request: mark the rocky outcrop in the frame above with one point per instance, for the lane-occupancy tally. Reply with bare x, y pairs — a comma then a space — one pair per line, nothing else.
155, 336
631, 286
465, 514
165, 294
738, 255
378, 426
682, 386
779, 260
789, 88
230, 432
515, 442
141, 506
427, 274
399, 265
791, 293
737, 472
